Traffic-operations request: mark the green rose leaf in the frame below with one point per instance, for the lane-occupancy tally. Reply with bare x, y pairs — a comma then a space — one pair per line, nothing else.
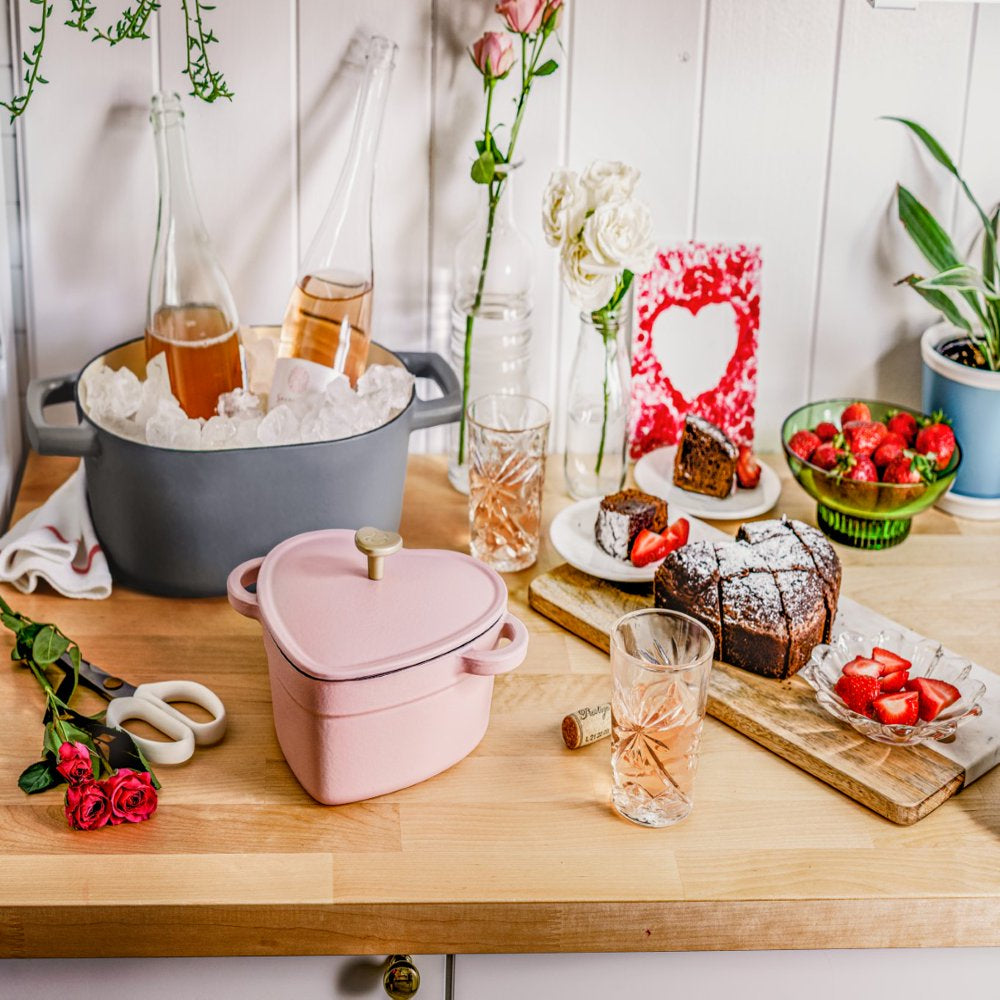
48, 646
548, 67
38, 777
484, 168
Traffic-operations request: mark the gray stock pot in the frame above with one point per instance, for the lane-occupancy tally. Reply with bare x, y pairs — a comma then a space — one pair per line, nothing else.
176, 522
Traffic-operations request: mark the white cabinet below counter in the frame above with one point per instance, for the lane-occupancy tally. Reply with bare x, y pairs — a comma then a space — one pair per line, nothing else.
919, 974
301, 978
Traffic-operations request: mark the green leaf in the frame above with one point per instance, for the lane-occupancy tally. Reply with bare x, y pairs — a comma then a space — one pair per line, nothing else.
931, 239
51, 742
10, 622
990, 267
484, 168
548, 67
939, 300
48, 646
38, 777
961, 278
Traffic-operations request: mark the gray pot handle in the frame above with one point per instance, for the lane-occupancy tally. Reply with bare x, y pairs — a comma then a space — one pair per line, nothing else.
48, 439
431, 412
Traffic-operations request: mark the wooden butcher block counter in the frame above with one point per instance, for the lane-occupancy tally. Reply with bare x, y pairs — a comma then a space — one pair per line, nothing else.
516, 848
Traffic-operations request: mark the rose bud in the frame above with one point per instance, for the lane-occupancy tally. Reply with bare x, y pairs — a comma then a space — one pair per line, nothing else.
131, 795
87, 806
74, 763
493, 54
522, 16
550, 19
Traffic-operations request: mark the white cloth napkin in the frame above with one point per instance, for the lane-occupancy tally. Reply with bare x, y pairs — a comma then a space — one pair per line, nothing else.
56, 543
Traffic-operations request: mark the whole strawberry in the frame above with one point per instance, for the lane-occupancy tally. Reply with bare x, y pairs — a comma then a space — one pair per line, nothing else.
863, 470
864, 436
803, 444
904, 424
901, 470
826, 431
827, 456
891, 447
937, 440
856, 411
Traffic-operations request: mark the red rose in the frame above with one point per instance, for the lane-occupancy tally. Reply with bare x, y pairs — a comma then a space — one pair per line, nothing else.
87, 806
131, 795
74, 763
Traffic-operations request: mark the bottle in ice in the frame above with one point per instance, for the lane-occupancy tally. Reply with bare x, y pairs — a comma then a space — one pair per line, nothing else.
191, 316
327, 326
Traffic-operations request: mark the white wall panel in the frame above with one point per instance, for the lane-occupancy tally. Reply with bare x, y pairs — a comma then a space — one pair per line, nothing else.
90, 195
769, 83
241, 150
908, 63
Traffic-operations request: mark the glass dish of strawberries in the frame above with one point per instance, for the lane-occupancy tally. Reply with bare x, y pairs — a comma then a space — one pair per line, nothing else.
869, 465
894, 687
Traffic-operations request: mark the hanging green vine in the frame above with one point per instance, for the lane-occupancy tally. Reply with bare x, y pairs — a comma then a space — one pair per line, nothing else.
207, 84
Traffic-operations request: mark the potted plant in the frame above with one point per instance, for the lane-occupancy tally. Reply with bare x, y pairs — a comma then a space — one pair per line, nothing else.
961, 353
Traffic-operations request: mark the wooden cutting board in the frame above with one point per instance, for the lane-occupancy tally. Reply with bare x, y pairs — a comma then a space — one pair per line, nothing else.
903, 784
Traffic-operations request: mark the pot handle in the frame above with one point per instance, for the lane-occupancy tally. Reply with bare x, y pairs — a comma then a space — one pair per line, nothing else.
431, 412
240, 578
500, 659
46, 438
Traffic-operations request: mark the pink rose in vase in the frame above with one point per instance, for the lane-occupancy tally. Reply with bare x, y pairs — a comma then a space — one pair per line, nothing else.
522, 16
493, 54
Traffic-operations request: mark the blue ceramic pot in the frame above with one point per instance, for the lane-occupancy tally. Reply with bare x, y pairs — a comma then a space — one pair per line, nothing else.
971, 398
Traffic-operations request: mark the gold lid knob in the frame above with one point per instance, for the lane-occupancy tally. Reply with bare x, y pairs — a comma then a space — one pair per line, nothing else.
377, 544
401, 979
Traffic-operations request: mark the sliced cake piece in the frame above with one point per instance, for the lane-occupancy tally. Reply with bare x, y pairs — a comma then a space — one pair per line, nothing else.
754, 633
623, 515
785, 551
754, 532
706, 459
738, 560
803, 601
688, 581
827, 565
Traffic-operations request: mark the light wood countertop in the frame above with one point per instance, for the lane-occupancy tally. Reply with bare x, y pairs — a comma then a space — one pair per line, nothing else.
516, 848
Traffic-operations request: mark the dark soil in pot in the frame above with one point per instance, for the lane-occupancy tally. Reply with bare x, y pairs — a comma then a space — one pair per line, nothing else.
964, 351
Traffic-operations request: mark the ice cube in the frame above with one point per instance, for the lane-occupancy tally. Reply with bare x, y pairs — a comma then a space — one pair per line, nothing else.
164, 422
219, 432
187, 435
279, 426
240, 403
391, 382
247, 433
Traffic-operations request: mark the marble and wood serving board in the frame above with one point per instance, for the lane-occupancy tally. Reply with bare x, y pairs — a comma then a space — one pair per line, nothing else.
903, 784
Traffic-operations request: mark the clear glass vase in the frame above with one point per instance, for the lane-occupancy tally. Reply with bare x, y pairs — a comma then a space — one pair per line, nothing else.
598, 402
500, 341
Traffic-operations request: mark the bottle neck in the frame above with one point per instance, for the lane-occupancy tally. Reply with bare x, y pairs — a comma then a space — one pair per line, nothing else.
178, 207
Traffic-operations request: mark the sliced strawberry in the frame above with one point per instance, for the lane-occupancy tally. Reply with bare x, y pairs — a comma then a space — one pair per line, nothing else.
747, 469
803, 444
856, 411
904, 424
864, 436
862, 666
898, 709
892, 661
935, 696
648, 547
858, 692
895, 681
937, 440
825, 431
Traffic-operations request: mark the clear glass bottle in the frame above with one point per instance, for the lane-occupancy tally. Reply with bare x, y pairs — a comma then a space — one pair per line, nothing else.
500, 352
598, 404
190, 312
327, 325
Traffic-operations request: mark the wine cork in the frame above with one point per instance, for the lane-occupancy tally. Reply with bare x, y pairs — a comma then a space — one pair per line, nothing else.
586, 726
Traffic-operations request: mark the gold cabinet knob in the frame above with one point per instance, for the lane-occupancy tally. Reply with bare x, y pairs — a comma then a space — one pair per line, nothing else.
377, 544
401, 979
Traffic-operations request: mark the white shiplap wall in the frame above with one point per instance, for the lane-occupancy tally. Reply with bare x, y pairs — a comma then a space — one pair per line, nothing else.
751, 120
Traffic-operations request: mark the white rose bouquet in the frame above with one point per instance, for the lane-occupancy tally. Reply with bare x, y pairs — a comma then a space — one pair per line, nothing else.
603, 234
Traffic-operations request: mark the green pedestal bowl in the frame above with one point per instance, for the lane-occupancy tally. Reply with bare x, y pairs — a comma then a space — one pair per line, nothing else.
863, 515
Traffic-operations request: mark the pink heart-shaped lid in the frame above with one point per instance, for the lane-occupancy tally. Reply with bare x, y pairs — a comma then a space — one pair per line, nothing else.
334, 623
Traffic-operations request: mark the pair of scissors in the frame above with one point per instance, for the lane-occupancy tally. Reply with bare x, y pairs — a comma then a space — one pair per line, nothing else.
151, 703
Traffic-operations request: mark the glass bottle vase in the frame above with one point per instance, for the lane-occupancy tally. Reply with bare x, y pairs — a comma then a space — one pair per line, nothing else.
598, 404
500, 342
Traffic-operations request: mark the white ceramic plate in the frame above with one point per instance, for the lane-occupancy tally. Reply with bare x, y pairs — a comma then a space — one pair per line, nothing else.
654, 473
572, 535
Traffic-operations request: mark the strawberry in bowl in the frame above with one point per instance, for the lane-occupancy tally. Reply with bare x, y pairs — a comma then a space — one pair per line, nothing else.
894, 687
871, 466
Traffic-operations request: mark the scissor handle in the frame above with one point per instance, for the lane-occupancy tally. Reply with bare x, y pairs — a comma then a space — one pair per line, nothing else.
178, 749
161, 693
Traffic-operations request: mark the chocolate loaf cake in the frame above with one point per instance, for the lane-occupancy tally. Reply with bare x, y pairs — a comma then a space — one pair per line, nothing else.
623, 515
705, 461
768, 598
